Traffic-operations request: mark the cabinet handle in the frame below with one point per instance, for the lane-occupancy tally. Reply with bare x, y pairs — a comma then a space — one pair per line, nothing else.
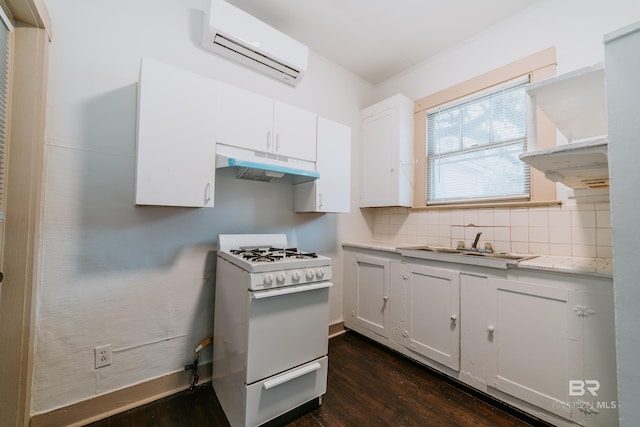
453, 319
269, 141
385, 298
277, 142
207, 193
490, 329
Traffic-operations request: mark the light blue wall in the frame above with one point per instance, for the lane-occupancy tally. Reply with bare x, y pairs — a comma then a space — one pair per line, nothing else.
141, 277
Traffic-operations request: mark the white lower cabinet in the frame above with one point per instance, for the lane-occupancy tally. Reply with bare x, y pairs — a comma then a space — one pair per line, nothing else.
367, 299
431, 311
530, 351
595, 308
541, 341
545, 339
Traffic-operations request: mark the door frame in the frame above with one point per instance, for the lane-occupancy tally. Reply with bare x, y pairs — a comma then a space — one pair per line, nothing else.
29, 64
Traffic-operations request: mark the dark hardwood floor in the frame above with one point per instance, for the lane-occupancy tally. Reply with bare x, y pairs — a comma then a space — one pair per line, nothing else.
368, 385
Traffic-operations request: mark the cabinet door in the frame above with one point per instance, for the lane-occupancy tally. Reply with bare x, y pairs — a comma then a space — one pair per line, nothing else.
175, 153
369, 308
244, 119
432, 310
530, 332
596, 309
295, 132
474, 298
387, 153
379, 177
332, 191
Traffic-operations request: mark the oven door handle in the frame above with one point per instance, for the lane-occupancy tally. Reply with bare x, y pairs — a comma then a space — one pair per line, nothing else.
290, 290
281, 379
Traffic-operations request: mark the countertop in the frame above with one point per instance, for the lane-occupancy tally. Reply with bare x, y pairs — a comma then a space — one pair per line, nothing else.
378, 245
601, 267
597, 267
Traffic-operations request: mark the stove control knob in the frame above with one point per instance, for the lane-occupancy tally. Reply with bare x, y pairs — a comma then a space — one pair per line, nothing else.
280, 277
320, 273
310, 274
267, 279
295, 276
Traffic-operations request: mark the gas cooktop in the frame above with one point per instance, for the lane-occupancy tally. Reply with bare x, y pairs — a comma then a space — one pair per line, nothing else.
262, 256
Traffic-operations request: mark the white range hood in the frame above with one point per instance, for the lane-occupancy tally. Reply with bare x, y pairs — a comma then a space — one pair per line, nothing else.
260, 166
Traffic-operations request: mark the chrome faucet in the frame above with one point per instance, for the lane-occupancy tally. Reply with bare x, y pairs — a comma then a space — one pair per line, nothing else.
475, 242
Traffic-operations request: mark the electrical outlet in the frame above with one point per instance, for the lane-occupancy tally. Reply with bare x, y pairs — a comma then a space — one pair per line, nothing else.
102, 355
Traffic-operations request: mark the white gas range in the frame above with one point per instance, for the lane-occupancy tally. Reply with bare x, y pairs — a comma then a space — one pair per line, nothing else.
270, 328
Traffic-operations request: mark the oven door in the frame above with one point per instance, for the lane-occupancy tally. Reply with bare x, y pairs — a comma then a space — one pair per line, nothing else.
288, 327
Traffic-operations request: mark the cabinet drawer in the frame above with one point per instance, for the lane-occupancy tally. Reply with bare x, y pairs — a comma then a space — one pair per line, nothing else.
280, 393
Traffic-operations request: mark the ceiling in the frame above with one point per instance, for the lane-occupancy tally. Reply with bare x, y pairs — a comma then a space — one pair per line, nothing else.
377, 39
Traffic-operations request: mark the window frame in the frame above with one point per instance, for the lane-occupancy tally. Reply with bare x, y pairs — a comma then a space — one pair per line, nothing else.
5, 118
541, 133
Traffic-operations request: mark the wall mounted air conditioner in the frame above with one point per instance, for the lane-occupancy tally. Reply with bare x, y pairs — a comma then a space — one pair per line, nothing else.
235, 34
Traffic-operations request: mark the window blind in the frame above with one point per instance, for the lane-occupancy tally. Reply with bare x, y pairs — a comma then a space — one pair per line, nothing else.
5, 42
473, 148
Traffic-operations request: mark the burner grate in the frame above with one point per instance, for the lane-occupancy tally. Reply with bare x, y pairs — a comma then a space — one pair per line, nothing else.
271, 254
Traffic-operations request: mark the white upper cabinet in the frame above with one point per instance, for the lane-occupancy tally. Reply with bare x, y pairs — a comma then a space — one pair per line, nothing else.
294, 132
245, 119
252, 121
332, 191
176, 137
387, 153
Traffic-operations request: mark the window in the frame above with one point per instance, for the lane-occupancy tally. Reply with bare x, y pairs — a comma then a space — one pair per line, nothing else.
477, 133
5, 31
473, 147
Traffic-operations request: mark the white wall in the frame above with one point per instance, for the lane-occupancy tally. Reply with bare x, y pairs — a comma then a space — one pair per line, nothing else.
622, 69
141, 278
576, 28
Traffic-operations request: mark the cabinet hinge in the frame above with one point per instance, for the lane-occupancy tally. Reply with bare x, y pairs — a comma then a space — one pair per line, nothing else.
583, 311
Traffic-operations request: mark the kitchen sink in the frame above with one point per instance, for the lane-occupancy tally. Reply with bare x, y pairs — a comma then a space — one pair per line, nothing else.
498, 255
433, 249
465, 256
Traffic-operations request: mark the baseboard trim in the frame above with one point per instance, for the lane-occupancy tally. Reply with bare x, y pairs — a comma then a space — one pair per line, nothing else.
106, 405
336, 329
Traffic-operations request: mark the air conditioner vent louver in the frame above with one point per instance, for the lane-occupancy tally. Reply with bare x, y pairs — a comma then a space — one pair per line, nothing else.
253, 55
236, 35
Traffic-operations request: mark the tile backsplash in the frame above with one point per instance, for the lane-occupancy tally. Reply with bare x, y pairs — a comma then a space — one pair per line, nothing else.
580, 230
